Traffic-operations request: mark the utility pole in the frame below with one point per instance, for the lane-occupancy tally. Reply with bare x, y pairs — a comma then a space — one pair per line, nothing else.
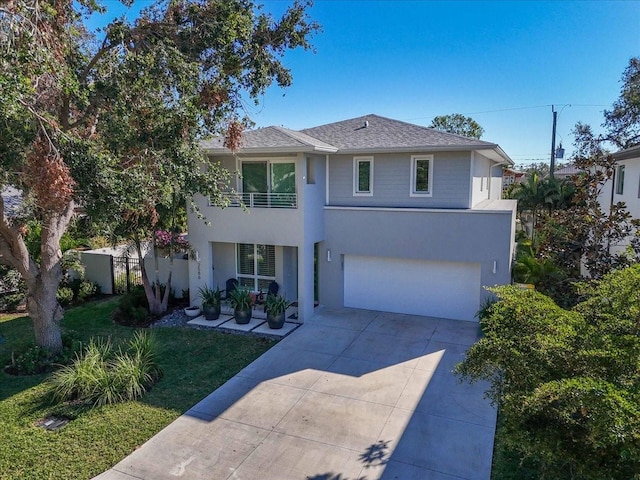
552, 167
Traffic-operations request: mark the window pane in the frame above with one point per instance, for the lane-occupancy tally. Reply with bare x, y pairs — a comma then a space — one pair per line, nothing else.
266, 260
283, 177
247, 282
620, 185
263, 285
364, 176
245, 259
422, 176
254, 177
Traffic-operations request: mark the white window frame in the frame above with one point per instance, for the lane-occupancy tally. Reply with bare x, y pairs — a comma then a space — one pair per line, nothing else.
619, 186
356, 176
269, 161
412, 186
256, 277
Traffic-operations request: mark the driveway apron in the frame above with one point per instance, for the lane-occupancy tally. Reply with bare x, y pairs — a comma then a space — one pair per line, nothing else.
350, 395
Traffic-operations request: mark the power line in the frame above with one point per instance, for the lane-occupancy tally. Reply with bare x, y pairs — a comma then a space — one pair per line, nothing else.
515, 108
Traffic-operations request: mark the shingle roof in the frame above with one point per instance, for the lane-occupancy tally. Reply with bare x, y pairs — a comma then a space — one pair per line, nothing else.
276, 138
383, 133
366, 134
568, 170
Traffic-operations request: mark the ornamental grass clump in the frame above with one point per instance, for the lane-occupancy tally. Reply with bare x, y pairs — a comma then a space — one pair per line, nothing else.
103, 375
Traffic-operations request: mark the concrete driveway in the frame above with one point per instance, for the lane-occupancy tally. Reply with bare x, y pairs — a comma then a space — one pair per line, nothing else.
350, 395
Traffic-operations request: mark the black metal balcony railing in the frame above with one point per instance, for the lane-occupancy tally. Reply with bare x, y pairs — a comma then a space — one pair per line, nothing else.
262, 200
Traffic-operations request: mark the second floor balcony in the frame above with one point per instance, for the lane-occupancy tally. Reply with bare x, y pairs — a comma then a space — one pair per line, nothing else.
262, 200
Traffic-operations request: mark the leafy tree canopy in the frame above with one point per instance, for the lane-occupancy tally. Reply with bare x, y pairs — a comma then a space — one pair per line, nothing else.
458, 124
622, 122
113, 123
566, 381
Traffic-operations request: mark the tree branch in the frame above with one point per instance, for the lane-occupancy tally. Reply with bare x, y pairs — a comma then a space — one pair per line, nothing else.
13, 249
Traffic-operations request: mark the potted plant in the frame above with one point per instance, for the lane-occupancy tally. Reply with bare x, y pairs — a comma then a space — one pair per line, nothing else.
241, 301
276, 306
211, 302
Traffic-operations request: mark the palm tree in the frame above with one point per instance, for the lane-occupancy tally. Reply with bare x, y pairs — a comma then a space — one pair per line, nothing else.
530, 198
539, 192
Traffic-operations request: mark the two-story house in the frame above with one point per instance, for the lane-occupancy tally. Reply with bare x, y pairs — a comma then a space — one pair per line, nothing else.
369, 213
624, 186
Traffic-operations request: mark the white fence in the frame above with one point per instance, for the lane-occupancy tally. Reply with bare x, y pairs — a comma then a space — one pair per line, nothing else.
98, 266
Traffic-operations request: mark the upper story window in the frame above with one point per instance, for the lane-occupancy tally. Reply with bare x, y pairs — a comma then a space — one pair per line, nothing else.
620, 180
269, 183
421, 175
363, 176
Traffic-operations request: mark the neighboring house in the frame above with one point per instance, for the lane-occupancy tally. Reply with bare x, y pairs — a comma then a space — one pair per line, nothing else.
511, 177
624, 186
368, 213
567, 172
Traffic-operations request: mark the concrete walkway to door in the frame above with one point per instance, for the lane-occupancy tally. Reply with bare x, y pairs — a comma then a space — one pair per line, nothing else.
350, 395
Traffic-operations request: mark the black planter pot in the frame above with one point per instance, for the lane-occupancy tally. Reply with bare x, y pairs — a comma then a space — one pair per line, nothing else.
242, 316
211, 312
275, 321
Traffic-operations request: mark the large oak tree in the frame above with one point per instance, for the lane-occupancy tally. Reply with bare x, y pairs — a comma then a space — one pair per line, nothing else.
458, 124
112, 124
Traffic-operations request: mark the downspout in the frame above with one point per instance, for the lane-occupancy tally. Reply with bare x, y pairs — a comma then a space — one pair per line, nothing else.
326, 180
491, 177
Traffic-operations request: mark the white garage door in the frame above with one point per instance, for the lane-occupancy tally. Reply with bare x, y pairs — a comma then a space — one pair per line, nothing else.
434, 289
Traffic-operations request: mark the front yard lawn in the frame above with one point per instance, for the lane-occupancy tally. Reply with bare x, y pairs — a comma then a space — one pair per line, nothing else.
194, 363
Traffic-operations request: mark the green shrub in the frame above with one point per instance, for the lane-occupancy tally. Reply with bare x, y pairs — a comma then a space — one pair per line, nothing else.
9, 302
485, 308
82, 289
566, 381
132, 309
12, 289
32, 359
102, 375
64, 296
86, 290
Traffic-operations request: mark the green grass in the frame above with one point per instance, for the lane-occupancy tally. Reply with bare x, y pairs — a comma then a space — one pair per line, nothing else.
194, 362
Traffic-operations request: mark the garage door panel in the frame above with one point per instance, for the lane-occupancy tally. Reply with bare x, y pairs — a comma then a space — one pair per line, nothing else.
439, 289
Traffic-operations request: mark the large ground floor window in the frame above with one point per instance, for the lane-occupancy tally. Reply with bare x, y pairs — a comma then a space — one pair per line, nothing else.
256, 265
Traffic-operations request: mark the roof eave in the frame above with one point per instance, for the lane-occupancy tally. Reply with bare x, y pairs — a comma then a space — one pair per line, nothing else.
269, 150
497, 155
409, 148
633, 152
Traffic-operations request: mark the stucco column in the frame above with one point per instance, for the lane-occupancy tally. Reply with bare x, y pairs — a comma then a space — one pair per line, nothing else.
305, 281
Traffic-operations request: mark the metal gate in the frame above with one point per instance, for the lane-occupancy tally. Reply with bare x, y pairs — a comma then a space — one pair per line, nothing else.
126, 273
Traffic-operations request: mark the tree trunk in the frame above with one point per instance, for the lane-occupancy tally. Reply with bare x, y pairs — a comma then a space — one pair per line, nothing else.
157, 305
45, 312
42, 281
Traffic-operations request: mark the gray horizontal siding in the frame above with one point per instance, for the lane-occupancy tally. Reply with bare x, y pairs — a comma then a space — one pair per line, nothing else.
391, 181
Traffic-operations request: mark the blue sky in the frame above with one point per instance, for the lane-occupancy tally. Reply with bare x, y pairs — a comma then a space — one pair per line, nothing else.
503, 63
